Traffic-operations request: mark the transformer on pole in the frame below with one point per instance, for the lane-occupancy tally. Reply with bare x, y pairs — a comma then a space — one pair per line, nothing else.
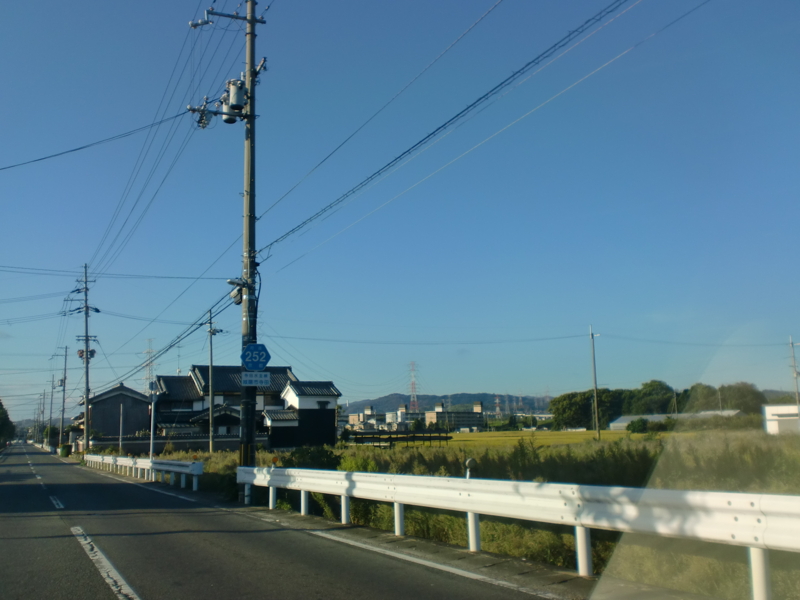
239, 103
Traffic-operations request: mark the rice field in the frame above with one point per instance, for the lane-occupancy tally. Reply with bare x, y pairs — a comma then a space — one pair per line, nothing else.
497, 439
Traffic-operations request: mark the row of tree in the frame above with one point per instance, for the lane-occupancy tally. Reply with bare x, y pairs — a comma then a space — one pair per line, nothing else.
575, 409
7, 428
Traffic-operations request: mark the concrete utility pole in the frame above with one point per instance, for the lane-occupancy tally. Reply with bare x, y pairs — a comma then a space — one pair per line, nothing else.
50, 419
592, 335
211, 333
153, 398
63, 384
238, 103
86, 354
794, 374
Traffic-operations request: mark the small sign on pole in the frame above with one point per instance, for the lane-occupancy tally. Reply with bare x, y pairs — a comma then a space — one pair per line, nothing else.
255, 379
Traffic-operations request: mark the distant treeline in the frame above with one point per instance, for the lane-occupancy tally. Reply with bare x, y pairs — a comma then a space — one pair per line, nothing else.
655, 397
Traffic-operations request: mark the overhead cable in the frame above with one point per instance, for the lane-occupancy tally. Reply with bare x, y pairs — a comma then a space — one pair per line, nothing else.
456, 118
382, 108
97, 143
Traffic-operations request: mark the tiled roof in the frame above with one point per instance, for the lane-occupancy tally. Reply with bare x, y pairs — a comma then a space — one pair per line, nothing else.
119, 389
178, 418
228, 379
178, 387
222, 409
279, 415
315, 388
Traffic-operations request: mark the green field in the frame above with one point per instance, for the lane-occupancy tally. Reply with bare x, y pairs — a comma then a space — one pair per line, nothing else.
495, 439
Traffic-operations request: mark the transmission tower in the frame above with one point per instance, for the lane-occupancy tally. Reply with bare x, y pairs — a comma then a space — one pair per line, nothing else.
148, 367
413, 406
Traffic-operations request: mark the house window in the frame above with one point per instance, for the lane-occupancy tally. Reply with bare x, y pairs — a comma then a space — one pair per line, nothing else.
323, 403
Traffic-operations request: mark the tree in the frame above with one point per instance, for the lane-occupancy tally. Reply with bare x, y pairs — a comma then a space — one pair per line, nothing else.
576, 409
7, 429
417, 425
638, 425
572, 410
702, 397
742, 396
51, 433
654, 397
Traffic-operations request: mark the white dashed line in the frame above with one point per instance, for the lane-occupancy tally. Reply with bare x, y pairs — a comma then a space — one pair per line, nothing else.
56, 502
111, 576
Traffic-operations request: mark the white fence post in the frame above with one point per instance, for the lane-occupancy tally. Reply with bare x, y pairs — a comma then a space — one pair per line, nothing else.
399, 519
273, 497
345, 510
247, 493
303, 502
183, 480
474, 531
195, 482
583, 551
759, 573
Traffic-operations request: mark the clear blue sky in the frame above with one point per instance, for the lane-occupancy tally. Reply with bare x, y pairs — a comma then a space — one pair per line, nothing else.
655, 200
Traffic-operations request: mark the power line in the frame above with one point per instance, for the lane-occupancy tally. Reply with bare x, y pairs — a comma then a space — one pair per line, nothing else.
93, 144
382, 108
456, 118
427, 343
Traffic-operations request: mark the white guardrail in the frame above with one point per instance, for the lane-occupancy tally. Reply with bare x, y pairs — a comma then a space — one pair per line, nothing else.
145, 468
759, 522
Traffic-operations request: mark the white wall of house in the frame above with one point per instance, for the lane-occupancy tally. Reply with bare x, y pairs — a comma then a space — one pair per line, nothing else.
203, 404
780, 418
306, 402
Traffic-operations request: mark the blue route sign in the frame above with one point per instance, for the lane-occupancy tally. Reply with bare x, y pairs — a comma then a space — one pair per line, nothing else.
255, 357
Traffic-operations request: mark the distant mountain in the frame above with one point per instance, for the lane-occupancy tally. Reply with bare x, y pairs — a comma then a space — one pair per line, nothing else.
392, 402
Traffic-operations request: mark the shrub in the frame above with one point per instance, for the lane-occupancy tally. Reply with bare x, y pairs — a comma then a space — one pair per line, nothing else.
638, 425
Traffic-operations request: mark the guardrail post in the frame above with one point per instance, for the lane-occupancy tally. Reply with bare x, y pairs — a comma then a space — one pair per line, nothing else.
474, 531
195, 482
399, 519
183, 480
247, 493
173, 478
303, 502
345, 510
273, 497
759, 573
583, 551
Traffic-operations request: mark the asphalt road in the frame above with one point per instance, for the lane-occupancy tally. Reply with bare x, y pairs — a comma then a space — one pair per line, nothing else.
134, 542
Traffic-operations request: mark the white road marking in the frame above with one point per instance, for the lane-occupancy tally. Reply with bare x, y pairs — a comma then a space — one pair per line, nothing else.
111, 576
38, 477
433, 565
56, 502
